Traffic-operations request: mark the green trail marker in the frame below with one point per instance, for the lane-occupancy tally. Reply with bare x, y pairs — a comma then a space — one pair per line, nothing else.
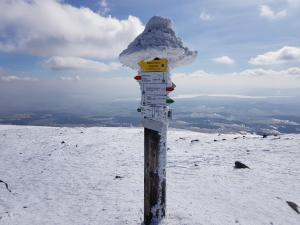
170, 101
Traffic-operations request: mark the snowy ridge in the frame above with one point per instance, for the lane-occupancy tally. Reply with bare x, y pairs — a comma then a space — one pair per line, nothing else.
92, 176
157, 40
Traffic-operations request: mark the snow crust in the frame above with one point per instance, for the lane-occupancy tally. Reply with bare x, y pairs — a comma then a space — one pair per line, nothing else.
68, 176
157, 40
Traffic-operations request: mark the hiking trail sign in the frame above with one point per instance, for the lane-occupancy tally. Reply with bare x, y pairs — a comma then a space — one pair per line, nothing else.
153, 53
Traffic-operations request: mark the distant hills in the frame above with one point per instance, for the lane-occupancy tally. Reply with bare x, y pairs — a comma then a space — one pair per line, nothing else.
206, 114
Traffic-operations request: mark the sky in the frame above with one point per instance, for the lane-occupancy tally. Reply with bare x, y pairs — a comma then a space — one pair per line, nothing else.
56, 52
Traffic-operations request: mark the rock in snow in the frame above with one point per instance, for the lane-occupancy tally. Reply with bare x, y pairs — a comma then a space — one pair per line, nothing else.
239, 165
6, 185
294, 206
157, 40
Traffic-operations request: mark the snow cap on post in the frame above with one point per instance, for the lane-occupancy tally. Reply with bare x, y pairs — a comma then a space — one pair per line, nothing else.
157, 40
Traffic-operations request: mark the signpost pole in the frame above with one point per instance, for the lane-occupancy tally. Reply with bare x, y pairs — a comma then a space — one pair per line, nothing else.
154, 180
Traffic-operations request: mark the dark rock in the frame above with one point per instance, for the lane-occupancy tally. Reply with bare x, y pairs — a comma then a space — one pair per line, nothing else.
81, 132
195, 140
118, 177
62, 142
180, 139
235, 138
294, 206
196, 164
6, 185
276, 138
264, 135
239, 165
224, 139
215, 140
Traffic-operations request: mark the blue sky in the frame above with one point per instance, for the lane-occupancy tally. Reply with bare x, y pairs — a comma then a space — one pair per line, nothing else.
76, 41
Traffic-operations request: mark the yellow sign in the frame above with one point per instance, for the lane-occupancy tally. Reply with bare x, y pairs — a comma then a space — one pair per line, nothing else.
159, 65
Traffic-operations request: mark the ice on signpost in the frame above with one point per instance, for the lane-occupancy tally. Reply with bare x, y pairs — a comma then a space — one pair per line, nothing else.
157, 40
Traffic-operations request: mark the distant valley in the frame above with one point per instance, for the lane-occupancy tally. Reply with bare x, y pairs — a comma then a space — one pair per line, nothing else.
204, 114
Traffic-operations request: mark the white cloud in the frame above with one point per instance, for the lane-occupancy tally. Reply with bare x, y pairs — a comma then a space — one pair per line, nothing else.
70, 78
186, 96
104, 8
258, 72
67, 93
17, 78
7, 76
52, 27
293, 3
76, 63
286, 54
224, 60
246, 81
267, 12
205, 16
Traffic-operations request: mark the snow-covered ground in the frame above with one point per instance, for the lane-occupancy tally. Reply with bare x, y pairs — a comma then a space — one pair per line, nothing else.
67, 176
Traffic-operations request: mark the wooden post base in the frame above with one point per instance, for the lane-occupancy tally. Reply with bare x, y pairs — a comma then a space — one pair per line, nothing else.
154, 177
